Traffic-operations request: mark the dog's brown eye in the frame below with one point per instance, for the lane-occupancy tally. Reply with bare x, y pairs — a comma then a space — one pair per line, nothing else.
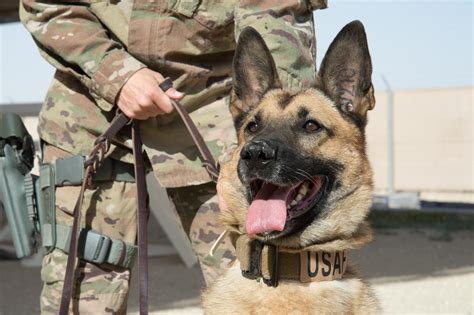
311, 126
252, 127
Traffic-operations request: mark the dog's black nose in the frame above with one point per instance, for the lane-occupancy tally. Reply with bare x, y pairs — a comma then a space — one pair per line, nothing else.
258, 152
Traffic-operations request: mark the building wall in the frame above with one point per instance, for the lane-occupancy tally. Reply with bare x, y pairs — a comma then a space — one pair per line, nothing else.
433, 135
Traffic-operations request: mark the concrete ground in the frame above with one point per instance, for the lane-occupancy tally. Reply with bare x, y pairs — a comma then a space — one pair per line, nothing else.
414, 270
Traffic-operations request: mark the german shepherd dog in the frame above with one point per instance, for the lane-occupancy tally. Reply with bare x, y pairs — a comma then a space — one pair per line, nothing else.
298, 188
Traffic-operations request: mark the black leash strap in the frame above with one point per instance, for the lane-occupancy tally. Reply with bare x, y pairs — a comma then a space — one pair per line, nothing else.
207, 159
143, 214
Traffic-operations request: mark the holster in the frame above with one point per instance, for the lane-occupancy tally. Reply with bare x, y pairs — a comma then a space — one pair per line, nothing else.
29, 200
16, 161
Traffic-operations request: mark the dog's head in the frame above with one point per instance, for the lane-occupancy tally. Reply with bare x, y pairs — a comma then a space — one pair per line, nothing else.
300, 174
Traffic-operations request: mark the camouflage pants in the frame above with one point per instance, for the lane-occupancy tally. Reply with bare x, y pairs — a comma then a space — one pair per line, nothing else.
198, 210
110, 208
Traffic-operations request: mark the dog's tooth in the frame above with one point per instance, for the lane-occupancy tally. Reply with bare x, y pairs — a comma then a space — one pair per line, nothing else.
302, 193
293, 203
303, 189
299, 197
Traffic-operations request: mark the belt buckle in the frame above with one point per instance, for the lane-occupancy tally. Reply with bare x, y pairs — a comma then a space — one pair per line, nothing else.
96, 247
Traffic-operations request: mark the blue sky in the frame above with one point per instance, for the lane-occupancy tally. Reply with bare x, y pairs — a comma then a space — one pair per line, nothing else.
414, 44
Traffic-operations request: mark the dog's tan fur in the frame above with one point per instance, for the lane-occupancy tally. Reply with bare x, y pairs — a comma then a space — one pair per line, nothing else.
342, 225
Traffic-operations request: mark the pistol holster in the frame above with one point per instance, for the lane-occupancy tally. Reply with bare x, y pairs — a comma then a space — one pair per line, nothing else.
16, 161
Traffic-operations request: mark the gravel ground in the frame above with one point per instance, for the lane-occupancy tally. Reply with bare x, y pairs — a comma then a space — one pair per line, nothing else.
413, 271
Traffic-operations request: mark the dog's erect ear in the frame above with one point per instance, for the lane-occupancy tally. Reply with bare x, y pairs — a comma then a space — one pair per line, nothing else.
346, 71
254, 73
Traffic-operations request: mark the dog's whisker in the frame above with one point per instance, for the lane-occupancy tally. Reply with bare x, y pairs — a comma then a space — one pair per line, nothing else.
306, 175
291, 173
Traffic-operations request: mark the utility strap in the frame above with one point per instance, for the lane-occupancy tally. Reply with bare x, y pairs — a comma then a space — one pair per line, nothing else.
95, 247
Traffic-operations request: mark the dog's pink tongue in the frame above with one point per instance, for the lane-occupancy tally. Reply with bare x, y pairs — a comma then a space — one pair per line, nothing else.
268, 210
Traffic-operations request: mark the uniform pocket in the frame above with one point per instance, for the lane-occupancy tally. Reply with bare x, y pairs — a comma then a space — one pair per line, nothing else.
212, 14
184, 7
54, 267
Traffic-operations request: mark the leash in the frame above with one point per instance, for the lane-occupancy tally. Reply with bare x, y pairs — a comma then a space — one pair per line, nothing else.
92, 164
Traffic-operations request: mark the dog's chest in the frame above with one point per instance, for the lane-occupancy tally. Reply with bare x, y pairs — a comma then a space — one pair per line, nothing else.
293, 297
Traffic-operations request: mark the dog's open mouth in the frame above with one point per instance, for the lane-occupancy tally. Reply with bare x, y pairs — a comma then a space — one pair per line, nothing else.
275, 209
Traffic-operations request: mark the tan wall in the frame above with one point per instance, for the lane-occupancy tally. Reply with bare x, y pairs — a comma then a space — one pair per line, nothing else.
433, 140
433, 134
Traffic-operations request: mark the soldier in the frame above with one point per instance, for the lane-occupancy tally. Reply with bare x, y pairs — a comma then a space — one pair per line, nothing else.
112, 54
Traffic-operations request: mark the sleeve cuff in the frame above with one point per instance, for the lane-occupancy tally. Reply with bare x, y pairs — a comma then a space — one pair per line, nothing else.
113, 71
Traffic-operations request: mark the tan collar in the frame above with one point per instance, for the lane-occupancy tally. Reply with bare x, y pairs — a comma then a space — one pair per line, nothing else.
271, 264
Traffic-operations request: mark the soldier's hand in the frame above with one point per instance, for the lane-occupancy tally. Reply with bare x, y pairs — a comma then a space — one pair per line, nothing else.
141, 98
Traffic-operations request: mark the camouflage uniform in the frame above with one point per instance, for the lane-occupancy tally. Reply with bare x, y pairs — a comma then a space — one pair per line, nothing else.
96, 45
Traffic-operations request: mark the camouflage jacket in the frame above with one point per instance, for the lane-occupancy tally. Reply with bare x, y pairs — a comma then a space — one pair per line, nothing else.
96, 45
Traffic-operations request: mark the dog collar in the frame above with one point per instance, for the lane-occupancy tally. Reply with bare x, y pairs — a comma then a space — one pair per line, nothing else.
271, 264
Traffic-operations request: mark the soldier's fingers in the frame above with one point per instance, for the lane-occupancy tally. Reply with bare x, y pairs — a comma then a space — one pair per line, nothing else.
142, 108
171, 92
133, 114
145, 103
158, 77
162, 101
148, 111
140, 115
174, 94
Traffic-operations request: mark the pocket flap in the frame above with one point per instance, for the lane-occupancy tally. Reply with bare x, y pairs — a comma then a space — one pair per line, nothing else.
185, 7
